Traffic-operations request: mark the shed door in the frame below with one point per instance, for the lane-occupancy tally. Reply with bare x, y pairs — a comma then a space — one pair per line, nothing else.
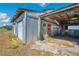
20, 30
32, 29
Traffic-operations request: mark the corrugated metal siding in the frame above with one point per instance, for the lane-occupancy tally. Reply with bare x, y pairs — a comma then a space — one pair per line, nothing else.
20, 30
14, 29
32, 29
27, 28
39, 28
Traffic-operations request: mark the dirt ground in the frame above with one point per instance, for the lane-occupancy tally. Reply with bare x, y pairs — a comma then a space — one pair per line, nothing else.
48, 47
22, 50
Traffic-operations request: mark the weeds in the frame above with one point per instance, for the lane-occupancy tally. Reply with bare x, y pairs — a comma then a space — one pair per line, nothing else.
12, 37
14, 43
13, 46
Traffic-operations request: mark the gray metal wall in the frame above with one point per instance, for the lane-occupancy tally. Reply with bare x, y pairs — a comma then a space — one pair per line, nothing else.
15, 29
27, 29
32, 29
22, 27
20, 30
18, 27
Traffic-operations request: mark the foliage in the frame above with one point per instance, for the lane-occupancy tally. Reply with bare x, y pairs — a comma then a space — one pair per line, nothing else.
13, 46
12, 37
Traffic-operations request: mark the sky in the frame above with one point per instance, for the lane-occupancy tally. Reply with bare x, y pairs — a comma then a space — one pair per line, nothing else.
7, 10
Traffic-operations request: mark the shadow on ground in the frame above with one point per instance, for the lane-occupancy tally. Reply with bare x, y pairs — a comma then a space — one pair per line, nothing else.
73, 39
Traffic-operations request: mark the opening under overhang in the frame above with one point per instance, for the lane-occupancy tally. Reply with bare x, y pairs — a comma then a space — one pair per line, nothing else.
64, 19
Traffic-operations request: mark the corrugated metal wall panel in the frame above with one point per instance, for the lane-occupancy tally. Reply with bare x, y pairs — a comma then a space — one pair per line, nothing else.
39, 28
20, 30
15, 29
32, 29
27, 29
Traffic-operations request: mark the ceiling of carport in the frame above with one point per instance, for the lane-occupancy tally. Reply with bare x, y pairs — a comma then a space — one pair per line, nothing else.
63, 15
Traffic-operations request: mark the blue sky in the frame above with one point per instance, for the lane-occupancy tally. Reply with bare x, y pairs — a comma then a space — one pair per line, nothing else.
7, 10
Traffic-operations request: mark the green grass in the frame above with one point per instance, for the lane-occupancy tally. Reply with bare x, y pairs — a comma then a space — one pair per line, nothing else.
4, 30
13, 46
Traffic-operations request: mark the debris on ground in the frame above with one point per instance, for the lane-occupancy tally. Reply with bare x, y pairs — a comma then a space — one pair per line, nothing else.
57, 47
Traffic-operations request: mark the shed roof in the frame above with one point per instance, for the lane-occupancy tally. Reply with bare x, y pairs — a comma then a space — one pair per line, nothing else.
20, 11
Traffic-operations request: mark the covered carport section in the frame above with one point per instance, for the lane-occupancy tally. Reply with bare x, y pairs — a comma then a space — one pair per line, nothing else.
66, 18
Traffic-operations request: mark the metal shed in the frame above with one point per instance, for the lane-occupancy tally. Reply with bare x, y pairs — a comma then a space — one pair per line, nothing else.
26, 25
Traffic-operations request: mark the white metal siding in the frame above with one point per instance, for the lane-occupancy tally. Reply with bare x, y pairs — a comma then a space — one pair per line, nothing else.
20, 30
73, 27
28, 29
32, 29
24, 28
13, 29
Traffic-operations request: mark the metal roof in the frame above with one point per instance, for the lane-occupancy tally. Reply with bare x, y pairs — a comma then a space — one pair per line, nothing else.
20, 11
62, 15
60, 10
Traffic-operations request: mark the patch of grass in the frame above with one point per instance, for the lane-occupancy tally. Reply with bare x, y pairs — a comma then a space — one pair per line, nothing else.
13, 46
12, 37
2, 30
